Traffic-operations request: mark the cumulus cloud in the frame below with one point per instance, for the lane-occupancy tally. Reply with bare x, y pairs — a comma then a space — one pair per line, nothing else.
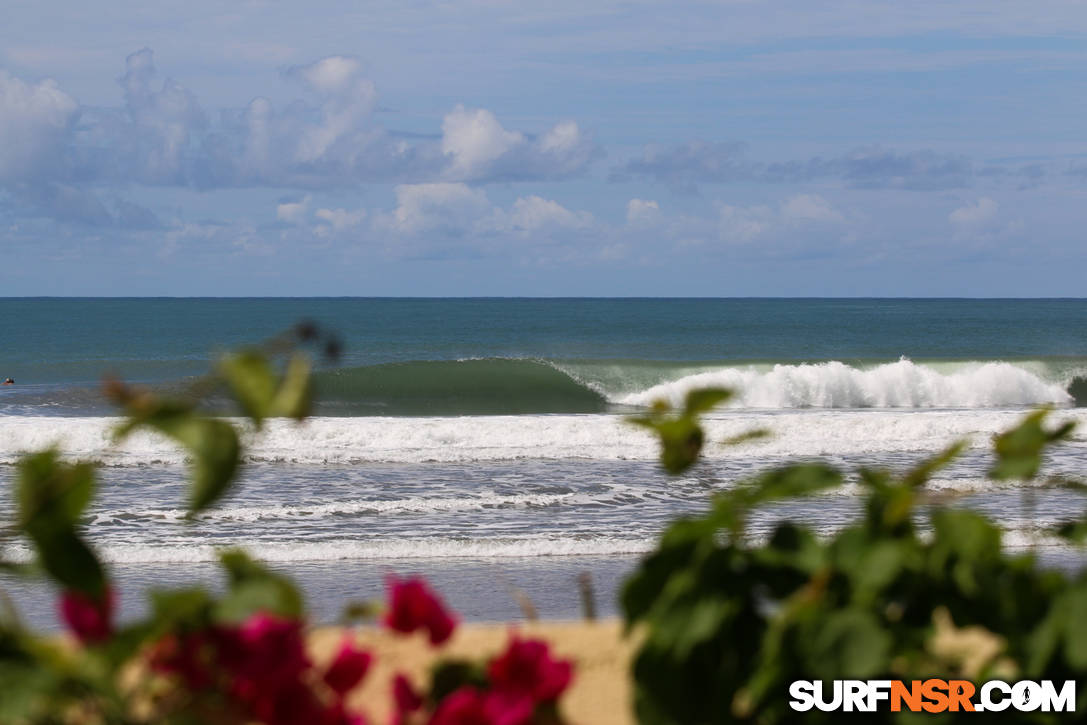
642, 212
340, 219
457, 211
741, 224
974, 214
51, 147
162, 123
479, 148
810, 208
532, 214
35, 122
474, 139
292, 212
806, 214
446, 207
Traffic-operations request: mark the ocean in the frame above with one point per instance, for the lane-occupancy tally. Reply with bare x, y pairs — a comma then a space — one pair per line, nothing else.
483, 442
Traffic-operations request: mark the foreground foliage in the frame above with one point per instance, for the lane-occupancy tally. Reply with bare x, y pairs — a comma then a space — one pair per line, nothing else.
240, 657
909, 591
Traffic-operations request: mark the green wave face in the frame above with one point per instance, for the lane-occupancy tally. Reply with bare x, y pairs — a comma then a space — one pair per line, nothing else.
1078, 390
454, 387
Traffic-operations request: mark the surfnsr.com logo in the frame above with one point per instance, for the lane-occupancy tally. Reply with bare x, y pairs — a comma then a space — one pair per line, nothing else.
932, 696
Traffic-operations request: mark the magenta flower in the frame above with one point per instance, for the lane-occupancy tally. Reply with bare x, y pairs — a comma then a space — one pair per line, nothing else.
348, 668
527, 668
469, 706
407, 700
88, 617
413, 606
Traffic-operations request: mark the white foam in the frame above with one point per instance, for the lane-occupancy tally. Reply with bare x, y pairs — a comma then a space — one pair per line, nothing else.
543, 437
400, 548
902, 384
417, 504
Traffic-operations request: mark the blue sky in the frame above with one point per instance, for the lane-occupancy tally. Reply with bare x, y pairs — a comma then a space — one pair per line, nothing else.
488, 147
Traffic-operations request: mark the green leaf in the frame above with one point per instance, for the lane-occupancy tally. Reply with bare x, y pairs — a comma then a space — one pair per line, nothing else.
255, 588
792, 481
252, 381
295, 396
920, 475
703, 400
1019, 450
1074, 531
213, 445
70, 561
51, 496
450, 675
1075, 647
51, 492
850, 643
360, 611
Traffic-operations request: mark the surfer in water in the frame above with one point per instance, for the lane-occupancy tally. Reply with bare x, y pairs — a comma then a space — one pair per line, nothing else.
9, 381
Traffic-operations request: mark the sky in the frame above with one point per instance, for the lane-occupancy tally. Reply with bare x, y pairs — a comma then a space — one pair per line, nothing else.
492, 147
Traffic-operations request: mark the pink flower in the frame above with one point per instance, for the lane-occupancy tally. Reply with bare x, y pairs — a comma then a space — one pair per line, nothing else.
348, 668
469, 706
526, 668
413, 606
89, 618
406, 698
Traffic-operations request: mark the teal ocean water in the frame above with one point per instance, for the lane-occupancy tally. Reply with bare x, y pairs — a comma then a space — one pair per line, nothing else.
482, 441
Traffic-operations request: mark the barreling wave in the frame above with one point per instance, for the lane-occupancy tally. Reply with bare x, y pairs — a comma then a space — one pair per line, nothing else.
519, 386
516, 386
455, 387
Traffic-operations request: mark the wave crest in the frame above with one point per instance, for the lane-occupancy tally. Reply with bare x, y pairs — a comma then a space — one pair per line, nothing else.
903, 384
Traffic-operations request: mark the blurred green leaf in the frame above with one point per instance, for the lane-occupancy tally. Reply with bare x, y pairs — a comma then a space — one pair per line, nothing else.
680, 434
213, 445
51, 496
252, 381
254, 588
70, 561
449, 675
703, 400
850, 643
360, 611
1019, 450
50, 492
294, 397
920, 474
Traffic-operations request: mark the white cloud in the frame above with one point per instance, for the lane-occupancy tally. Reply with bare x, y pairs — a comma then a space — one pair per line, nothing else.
333, 74
292, 212
479, 148
743, 223
34, 122
562, 138
642, 212
449, 207
533, 214
974, 214
474, 139
163, 122
340, 219
810, 208
347, 101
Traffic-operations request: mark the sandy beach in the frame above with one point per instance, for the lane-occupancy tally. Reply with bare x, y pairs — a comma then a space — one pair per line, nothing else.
599, 695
